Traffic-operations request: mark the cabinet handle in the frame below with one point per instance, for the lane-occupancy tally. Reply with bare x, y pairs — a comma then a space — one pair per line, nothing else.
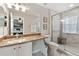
14, 48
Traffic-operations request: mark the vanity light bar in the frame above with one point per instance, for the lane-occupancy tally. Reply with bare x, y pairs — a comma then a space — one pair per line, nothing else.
17, 7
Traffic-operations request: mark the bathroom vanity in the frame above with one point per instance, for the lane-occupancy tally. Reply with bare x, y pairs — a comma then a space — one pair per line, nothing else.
21, 46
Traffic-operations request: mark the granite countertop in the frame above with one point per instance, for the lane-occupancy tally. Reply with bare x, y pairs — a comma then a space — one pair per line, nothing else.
12, 40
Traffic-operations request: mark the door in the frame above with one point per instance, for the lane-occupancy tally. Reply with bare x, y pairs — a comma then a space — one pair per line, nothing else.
25, 49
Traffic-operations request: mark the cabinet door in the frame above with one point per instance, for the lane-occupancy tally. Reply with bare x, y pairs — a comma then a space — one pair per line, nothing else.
7, 51
25, 49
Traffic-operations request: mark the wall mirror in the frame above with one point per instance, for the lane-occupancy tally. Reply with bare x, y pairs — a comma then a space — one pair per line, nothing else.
3, 22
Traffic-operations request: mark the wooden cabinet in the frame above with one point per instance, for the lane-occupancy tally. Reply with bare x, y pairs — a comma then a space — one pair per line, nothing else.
17, 50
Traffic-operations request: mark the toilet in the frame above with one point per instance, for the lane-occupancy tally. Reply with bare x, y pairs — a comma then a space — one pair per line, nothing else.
52, 47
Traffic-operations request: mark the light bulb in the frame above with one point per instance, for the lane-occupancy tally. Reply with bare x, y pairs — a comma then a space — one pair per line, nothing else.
17, 7
23, 8
71, 5
9, 5
62, 20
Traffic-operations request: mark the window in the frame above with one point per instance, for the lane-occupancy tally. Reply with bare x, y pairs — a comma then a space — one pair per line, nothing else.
71, 24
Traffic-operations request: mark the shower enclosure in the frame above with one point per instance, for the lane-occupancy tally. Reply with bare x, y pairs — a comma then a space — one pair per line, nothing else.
65, 28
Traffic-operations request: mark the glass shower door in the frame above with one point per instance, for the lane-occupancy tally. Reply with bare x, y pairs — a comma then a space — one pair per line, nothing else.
70, 31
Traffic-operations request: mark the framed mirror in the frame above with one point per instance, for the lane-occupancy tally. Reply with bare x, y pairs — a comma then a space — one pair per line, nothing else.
2, 25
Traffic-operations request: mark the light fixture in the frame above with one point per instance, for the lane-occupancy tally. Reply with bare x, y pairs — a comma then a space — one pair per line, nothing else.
23, 8
62, 20
17, 7
9, 5
71, 5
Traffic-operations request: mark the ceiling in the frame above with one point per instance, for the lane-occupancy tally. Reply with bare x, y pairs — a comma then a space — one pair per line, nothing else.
58, 7
33, 9
41, 8
36, 9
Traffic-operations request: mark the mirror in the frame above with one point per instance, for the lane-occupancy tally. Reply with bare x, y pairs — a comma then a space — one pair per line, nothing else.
1, 25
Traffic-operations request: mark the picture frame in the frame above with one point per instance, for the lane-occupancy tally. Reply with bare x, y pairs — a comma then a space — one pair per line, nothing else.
44, 26
44, 19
